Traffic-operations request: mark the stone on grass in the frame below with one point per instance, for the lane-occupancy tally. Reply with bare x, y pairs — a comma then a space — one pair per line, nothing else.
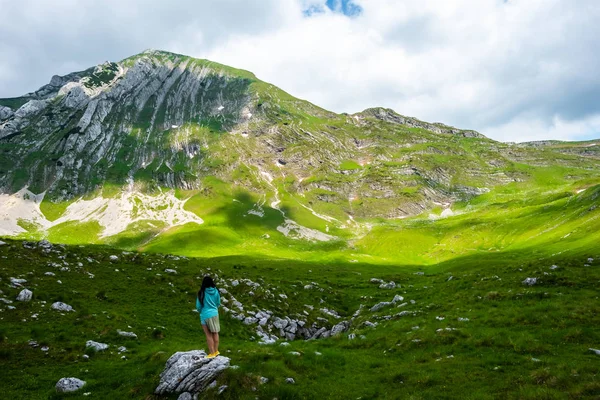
24, 295
2, 243
529, 281
17, 281
397, 298
389, 285
339, 328
127, 334
60, 306
65, 385
97, 346
185, 396
376, 280
171, 271
595, 351
190, 371
264, 380
379, 306
113, 258
290, 380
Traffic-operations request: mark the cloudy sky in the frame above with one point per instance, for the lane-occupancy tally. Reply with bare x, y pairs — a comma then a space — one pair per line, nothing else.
514, 70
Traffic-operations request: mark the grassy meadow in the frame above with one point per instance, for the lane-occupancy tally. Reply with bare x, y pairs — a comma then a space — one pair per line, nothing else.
512, 341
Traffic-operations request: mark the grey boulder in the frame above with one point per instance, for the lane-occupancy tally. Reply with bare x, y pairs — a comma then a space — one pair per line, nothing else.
59, 306
97, 346
65, 385
190, 372
24, 295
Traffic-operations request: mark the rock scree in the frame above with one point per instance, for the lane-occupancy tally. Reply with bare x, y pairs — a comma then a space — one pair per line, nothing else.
190, 371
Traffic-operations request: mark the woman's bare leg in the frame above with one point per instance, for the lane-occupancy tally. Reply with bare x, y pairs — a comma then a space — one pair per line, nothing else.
215, 338
209, 339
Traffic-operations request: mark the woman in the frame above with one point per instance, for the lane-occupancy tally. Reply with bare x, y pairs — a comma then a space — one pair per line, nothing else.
207, 304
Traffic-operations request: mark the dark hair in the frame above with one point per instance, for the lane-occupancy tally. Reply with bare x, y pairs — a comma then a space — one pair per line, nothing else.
207, 282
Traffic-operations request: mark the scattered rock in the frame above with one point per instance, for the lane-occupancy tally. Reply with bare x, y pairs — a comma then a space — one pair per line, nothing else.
290, 380
65, 385
49, 273
264, 380
460, 319
529, 281
185, 396
97, 346
2, 243
554, 267
397, 298
375, 280
113, 258
339, 328
171, 271
60, 306
24, 295
381, 305
235, 283
295, 353
190, 372
122, 349
17, 281
389, 285
127, 334
595, 351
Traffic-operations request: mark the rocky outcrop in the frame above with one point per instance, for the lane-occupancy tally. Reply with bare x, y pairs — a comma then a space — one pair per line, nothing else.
190, 372
385, 114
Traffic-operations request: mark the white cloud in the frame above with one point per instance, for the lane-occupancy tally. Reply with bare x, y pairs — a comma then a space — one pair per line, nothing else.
491, 65
525, 129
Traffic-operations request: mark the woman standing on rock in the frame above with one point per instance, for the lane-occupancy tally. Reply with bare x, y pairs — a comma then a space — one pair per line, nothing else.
207, 304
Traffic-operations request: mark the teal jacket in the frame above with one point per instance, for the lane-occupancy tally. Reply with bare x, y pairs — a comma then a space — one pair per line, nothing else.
212, 301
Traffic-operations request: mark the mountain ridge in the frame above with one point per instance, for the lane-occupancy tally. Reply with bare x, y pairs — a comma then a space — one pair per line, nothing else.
246, 158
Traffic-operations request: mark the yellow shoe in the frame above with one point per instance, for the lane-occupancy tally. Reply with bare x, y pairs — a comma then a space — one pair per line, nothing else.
217, 353
211, 355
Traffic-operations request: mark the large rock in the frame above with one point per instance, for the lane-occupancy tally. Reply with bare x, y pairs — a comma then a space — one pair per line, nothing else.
65, 385
339, 328
96, 345
190, 371
529, 281
389, 285
59, 306
381, 305
24, 295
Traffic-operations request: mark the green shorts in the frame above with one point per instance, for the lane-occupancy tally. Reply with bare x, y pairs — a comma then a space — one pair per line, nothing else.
212, 323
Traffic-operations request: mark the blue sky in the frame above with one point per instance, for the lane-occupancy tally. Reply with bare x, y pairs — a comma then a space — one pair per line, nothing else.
345, 7
512, 70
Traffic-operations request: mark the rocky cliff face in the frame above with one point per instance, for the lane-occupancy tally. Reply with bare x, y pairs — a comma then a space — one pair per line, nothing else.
160, 121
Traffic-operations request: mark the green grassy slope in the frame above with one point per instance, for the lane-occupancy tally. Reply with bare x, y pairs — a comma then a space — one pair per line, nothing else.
519, 342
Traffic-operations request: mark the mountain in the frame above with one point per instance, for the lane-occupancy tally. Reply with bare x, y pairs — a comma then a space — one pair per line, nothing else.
165, 151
